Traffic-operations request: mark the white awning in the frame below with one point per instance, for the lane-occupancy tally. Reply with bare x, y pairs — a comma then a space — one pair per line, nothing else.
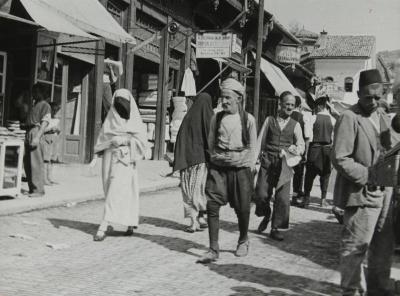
50, 20
17, 19
87, 15
277, 78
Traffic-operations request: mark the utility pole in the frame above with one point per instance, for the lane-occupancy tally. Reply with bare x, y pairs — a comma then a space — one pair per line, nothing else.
260, 32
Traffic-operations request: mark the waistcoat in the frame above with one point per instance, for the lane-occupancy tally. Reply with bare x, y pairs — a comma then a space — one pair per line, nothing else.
322, 129
277, 139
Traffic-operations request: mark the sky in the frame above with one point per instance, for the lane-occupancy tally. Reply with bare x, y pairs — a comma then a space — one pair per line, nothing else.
380, 18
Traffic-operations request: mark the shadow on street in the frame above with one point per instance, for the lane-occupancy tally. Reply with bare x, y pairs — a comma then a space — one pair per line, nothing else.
272, 279
316, 241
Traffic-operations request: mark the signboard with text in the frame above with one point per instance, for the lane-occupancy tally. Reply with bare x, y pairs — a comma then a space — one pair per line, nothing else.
288, 54
331, 89
217, 45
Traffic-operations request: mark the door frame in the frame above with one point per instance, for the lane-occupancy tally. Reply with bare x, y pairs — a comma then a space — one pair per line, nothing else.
68, 158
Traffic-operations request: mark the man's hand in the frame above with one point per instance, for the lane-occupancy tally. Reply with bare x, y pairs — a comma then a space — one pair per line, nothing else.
293, 149
118, 141
35, 141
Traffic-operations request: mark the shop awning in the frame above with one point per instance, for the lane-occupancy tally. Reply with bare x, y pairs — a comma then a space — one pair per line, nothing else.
16, 19
88, 16
279, 80
49, 19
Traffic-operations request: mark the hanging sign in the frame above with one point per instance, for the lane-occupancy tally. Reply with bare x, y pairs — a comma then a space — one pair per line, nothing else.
214, 45
330, 89
288, 54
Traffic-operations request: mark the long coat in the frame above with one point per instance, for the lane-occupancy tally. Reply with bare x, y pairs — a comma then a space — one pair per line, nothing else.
355, 148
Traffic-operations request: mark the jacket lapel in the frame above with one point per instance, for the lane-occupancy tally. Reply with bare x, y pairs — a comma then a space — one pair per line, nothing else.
367, 127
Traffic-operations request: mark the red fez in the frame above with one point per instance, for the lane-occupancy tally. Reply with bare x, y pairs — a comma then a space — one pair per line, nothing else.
368, 77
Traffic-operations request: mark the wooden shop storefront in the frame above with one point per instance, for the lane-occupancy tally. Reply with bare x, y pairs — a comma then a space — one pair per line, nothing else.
47, 43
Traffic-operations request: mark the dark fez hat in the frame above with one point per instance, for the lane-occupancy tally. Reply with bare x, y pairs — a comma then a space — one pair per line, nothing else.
368, 77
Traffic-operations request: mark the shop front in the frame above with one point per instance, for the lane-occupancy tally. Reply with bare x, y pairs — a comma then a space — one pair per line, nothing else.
66, 54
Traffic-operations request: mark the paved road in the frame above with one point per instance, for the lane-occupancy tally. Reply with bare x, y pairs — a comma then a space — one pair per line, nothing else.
160, 258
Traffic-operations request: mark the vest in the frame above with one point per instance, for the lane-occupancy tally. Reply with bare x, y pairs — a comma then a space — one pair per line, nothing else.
275, 139
244, 120
322, 129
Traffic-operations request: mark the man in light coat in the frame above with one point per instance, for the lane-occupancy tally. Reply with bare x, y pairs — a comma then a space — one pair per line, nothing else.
361, 137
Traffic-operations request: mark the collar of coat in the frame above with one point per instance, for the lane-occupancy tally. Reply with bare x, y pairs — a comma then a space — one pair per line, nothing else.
366, 125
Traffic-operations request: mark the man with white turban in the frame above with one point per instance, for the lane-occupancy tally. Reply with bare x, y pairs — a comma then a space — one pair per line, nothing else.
231, 141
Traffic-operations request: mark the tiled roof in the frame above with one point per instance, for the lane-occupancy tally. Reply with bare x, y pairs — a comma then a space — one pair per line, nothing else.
330, 46
303, 33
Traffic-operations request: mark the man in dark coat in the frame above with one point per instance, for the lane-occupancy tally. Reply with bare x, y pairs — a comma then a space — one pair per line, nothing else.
362, 135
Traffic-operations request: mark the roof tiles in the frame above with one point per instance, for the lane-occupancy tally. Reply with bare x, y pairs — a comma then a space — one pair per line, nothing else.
335, 46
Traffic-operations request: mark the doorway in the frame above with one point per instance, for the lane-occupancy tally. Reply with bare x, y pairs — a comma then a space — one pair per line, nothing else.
73, 110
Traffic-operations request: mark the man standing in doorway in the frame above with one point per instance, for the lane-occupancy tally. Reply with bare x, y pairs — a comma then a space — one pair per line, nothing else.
38, 119
280, 137
362, 135
231, 141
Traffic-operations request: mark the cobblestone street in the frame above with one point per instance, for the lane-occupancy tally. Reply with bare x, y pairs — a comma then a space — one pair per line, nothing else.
160, 258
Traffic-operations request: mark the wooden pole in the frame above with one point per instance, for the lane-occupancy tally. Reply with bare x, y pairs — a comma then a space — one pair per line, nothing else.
98, 94
258, 60
162, 96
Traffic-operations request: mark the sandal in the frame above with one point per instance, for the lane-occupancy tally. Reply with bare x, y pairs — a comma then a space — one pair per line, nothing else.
100, 236
202, 223
189, 229
129, 231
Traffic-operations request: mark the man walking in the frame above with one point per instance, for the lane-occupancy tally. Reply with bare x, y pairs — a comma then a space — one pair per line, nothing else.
319, 152
298, 178
280, 137
362, 136
231, 141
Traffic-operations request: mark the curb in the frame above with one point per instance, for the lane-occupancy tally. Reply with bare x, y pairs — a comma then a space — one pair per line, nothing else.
46, 203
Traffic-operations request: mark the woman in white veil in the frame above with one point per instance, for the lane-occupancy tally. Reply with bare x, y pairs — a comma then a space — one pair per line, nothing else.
121, 143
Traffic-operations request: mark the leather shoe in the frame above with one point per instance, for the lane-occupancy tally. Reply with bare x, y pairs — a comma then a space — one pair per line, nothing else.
305, 203
263, 224
242, 249
36, 194
276, 235
208, 257
100, 236
324, 203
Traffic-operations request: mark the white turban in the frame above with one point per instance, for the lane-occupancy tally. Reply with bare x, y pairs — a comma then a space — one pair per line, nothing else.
233, 84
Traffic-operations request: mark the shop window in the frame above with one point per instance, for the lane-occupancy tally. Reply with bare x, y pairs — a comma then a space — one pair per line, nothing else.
49, 69
115, 11
348, 84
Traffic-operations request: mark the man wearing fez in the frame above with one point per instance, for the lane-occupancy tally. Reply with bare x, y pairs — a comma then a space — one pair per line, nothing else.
362, 135
231, 143
280, 137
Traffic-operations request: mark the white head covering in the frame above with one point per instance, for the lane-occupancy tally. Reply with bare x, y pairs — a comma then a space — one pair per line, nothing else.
233, 84
114, 125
